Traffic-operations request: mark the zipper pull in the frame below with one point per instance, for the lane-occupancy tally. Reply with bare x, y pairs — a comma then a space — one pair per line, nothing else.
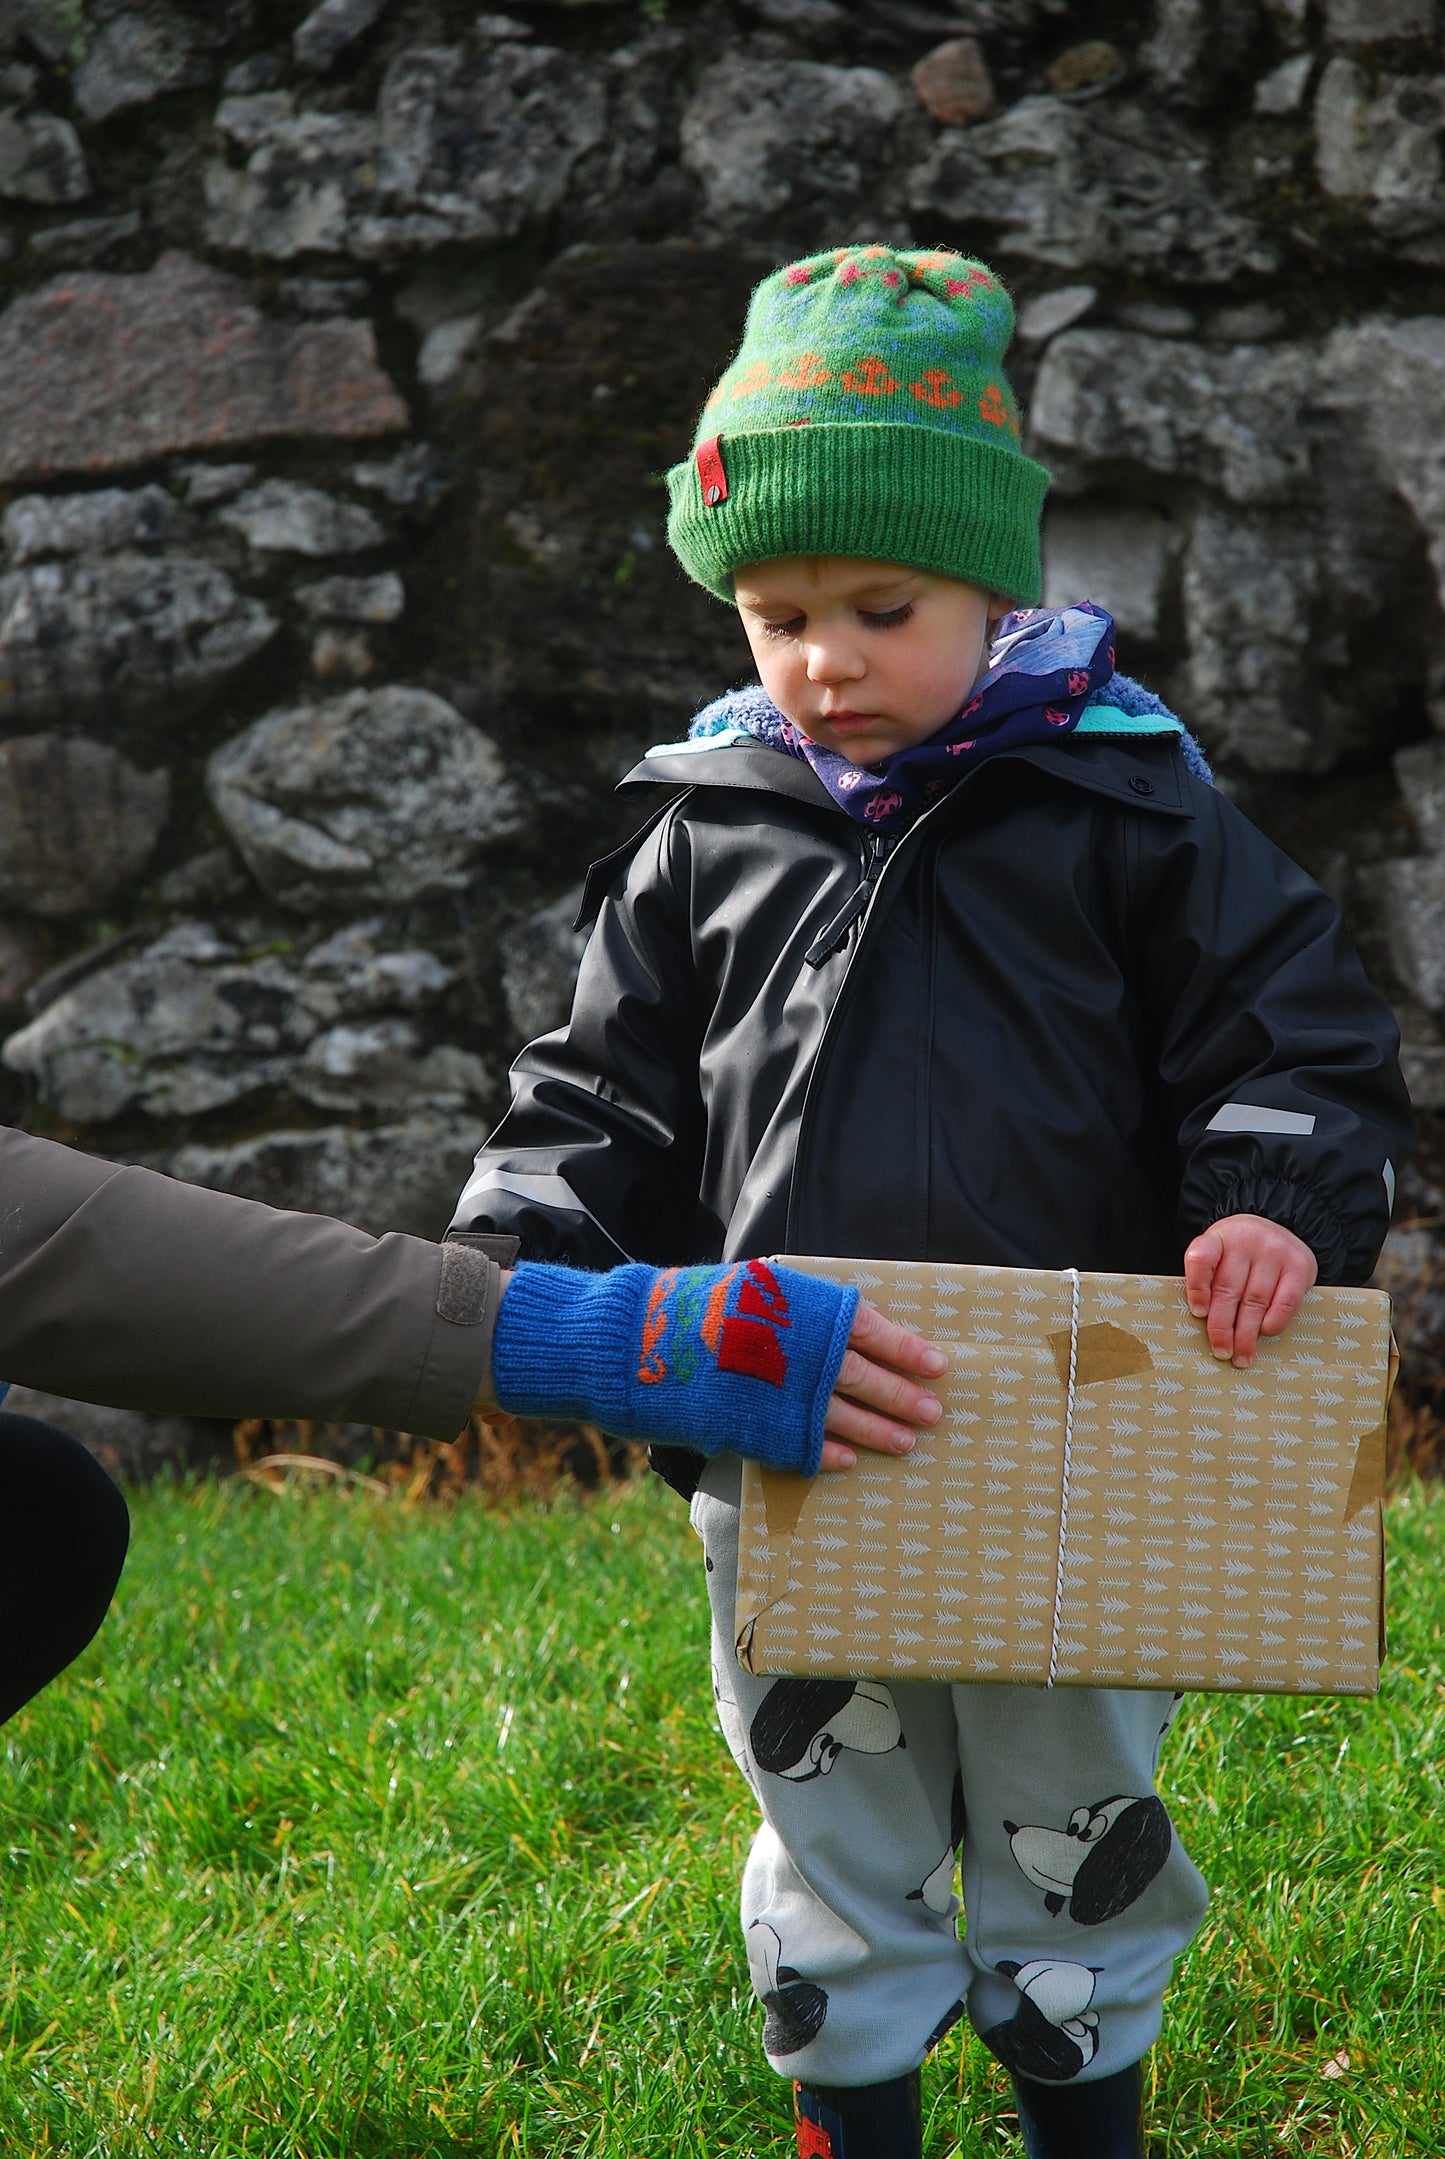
828, 941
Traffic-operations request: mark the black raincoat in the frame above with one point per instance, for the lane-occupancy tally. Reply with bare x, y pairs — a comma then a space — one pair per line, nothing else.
1081, 1010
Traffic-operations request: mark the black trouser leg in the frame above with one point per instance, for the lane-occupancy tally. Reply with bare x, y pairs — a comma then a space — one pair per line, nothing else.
63, 1534
1083, 2121
864, 2121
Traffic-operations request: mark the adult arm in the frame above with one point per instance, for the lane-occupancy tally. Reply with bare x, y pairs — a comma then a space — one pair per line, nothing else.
122, 1286
119, 1285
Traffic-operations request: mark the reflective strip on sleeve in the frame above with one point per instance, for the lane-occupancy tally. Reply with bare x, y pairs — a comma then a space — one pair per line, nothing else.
1389, 1176
548, 1189
1252, 1117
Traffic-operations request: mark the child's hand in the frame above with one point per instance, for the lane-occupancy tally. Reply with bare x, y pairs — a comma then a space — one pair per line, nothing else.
1246, 1276
876, 1387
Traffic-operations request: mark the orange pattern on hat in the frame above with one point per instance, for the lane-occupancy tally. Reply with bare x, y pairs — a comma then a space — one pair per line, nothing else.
806, 373
937, 388
870, 378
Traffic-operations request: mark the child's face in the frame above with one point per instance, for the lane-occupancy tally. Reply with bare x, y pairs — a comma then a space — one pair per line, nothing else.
865, 657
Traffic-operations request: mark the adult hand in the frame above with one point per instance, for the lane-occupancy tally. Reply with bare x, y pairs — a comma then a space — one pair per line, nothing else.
877, 1399
1244, 1277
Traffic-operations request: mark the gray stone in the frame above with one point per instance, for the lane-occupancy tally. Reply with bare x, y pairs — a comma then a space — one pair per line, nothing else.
540, 958
468, 143
1420, 771
1423, 1064
20, 963
1111, 185
287, 517
416, 479
99, 523
1413, 890
1250, 588
1379, 144
196, 1021
804, 15
446, 350
84, 239
355, 599
381, 1064
324, 35
130, 635
1362, 22
58, 33
259, 71
1117, 556
325, 295
1228, 416
1048, 313
1387, 379
77, 822
362, 970
1156, 318
381, 795
213, 878
1195, 43
1252, 322
101, 370
41, 159
1283, 89
139, 56
403, 1176
795, 138
339, 656
130, 1445
188, 1025
213, 483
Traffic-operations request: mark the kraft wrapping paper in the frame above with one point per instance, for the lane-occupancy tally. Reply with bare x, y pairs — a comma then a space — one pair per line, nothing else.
1218, 1529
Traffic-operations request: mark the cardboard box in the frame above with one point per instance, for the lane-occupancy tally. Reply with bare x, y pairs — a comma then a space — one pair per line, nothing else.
1104, 1503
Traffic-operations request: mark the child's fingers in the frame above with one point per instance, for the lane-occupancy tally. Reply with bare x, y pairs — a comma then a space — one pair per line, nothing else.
1200, 1261
876, 1387
1255, 1301
1296, 1276
1226, 1289
849, 1424
883, 1341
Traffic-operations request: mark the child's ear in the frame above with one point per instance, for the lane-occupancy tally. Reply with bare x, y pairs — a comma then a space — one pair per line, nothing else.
998, 607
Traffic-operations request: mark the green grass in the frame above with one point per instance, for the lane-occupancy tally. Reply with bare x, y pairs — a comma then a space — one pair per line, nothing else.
371, 1831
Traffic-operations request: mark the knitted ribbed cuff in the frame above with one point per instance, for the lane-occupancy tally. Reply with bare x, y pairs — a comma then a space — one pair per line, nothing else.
565, 1342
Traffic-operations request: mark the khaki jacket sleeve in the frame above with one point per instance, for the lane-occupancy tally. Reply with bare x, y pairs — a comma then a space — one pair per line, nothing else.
125, 1287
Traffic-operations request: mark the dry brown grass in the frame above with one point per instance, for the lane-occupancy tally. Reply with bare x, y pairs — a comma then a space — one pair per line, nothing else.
505, 1457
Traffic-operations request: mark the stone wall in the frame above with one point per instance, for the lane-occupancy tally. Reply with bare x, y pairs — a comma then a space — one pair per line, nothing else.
340, 356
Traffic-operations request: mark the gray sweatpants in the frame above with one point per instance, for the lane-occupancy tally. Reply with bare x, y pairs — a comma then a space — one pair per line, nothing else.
1078, 1896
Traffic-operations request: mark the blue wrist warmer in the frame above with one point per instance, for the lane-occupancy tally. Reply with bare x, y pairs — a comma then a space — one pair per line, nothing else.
706, 1357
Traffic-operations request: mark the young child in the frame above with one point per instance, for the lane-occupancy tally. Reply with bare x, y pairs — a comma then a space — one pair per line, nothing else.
938, 943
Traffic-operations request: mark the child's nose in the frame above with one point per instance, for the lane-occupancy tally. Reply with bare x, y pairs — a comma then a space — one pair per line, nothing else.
834, 659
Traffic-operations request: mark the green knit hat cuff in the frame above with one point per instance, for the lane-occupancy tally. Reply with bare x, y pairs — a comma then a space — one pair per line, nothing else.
866, 413
887, 493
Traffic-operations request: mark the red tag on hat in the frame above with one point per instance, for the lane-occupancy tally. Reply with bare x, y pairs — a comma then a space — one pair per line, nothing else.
711, 472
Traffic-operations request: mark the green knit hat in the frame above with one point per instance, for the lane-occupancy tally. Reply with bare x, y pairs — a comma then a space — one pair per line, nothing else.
866, 413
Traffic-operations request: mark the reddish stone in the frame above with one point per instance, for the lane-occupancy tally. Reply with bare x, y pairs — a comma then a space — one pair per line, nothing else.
99, 372
954, 83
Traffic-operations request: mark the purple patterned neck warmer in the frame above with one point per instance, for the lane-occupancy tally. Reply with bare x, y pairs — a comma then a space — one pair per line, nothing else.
1046, 665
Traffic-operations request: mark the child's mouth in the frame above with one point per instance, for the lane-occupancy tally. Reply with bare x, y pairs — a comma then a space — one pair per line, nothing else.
849, 723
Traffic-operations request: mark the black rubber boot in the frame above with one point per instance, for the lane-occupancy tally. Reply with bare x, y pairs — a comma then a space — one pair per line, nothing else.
863, 2121
1083, 2121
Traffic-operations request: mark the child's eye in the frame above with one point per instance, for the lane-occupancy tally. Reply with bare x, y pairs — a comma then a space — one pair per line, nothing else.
890, 618
791, 628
